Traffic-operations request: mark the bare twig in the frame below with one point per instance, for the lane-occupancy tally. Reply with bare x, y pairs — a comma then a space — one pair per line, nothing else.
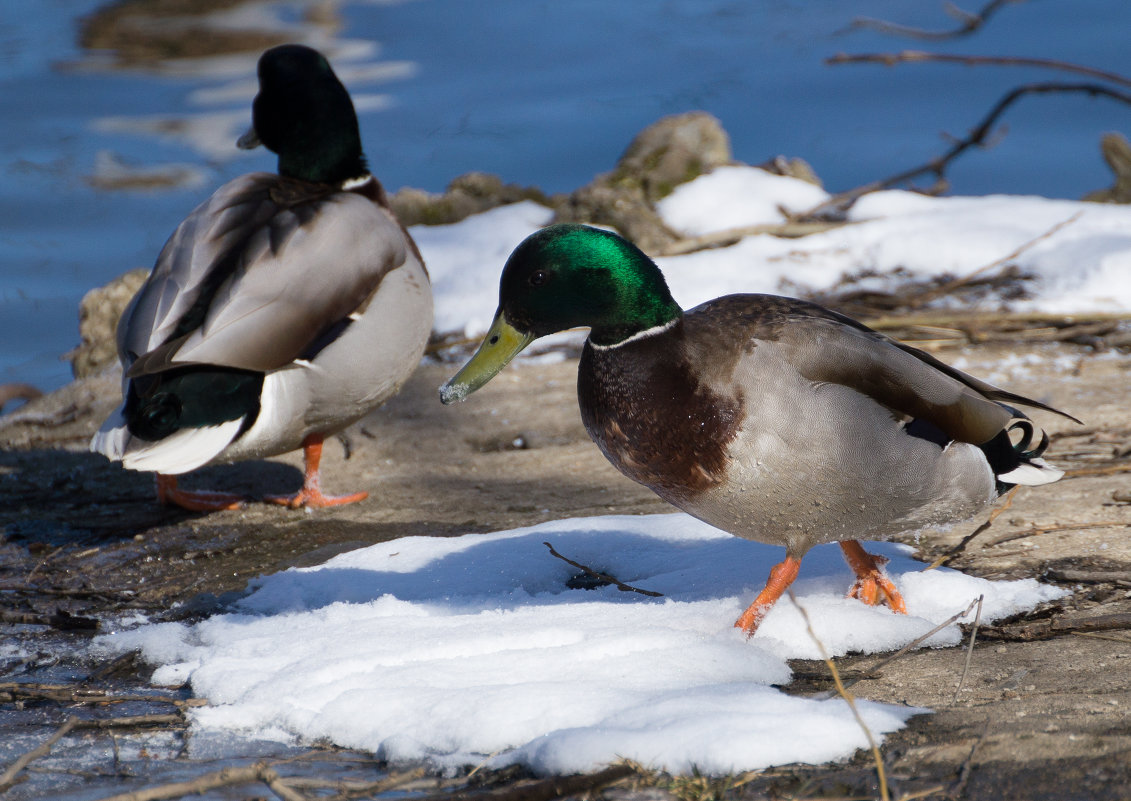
1047, 629
61, 620
730, 236
969, 650
1038, 530
945, 289
847, 696
346, 789
977, 136
1110, 637
968, 23
620, 585
957, 549
871, 670
9, 776
544, 789
259, 772
918, 56
1090, 576
129, 722
964, 775
1105, 470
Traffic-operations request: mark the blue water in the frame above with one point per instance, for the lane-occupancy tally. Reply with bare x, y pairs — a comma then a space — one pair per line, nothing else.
540, 92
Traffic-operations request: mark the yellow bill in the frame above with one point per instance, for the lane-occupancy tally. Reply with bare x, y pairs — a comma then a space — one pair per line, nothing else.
501, 344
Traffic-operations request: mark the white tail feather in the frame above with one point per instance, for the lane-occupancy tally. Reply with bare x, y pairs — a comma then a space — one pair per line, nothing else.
1032, 473
180, 452
111, 439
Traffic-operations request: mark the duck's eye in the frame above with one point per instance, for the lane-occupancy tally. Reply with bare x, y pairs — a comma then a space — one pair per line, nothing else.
538, 277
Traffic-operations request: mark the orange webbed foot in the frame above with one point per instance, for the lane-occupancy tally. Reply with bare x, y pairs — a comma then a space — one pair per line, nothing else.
310, 496
195, 500
872, 585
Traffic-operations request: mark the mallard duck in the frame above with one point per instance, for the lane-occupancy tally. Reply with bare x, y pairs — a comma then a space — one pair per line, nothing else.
771, 418
282, 309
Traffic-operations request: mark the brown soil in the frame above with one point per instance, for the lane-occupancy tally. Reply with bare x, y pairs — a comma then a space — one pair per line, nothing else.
1040, 719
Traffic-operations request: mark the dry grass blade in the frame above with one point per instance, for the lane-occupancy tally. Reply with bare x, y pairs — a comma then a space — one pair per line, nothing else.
605, 577
847, 696
969, 650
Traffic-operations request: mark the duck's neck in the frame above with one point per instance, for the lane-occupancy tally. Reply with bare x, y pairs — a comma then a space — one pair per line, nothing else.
336, 161
644, 307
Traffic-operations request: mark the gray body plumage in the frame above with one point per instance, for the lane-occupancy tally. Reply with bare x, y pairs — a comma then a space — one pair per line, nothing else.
782, 422
320, 289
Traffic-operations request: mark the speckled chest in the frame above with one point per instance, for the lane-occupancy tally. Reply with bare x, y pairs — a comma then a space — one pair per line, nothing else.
657, 415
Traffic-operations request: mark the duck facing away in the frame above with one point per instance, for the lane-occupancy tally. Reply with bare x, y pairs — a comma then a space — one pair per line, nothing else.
282, 309
771, 418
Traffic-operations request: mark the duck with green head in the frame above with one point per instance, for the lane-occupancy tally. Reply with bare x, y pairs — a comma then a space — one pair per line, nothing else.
771, 418
281, 310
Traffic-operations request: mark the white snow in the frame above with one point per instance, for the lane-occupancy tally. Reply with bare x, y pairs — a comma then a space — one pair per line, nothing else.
473, 649
1084, 266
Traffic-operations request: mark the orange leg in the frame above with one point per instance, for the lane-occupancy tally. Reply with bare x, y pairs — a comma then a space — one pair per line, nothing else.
194, 500
781, 576
872, 586
311, 492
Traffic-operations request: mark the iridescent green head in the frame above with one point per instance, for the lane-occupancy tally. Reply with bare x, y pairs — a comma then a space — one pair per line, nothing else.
567, 276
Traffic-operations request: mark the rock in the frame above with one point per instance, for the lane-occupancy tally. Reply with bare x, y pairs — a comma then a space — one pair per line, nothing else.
791, 168
468, 194
1117, 153
99, 312
664, 155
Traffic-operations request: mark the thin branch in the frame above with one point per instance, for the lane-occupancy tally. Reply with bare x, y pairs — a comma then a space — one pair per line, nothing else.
9, 776
871, 670
61, 620
847, 696
544, 789
968, 23
977, 136
964, 775
1047, 629
948, 287
133, 721
605, 577
731, 236
1038, 530
1105, 470
259, 772
920, 56
969, 650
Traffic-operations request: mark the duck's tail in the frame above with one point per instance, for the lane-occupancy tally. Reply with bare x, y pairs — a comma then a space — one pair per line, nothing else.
1020, 462
184, 450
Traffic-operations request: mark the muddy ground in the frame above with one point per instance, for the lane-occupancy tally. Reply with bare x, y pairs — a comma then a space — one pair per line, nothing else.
1042, 719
